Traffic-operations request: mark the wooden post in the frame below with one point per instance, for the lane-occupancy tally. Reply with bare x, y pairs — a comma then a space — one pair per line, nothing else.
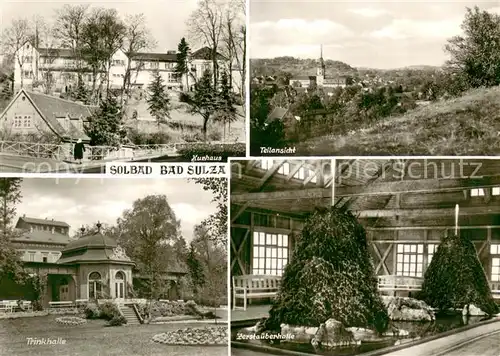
333, 170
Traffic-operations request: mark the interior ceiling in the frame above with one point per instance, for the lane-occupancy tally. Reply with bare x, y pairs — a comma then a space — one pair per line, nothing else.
381, 192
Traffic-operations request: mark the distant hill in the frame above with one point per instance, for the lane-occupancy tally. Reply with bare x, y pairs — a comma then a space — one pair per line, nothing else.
297, 66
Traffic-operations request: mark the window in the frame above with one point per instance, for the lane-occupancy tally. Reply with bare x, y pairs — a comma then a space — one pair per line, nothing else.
94, 285
312, 173
119, 285
27, 121
154, 65
495, 191
431, 250
495, 262
31, 256
28, 59
300, 173
270, 253
118, 62
18, 121
266, 163
477, 192
284, 169
45, 259
410, 260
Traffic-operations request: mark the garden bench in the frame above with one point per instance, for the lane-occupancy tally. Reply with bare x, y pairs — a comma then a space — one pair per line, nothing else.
67, 304
390, 283
253, 286
8, 305
27, 305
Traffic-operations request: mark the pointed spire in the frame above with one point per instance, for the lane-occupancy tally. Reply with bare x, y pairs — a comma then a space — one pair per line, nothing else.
321, 52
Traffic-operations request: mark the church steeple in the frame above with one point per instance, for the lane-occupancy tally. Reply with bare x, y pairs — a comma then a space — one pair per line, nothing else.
320, 72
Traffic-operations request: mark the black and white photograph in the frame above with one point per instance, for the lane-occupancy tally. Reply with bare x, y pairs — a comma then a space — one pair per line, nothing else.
365, 256
374, 78
126, 267
85, 83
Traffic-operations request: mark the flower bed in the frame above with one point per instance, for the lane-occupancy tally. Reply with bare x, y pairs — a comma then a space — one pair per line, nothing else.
63, 311
215, 336
70, 320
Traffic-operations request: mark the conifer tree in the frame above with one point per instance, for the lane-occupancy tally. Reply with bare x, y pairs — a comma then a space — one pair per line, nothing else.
227, 109
205, 101
182, 62
158, 100
105, 127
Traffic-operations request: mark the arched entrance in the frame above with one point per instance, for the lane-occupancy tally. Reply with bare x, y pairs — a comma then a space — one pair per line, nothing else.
119, 285
95, 285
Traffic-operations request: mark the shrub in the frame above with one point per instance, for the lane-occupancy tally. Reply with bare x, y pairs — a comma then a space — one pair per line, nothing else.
108, 310
220, 150
117, 320
330, 276
456, 278
91, 311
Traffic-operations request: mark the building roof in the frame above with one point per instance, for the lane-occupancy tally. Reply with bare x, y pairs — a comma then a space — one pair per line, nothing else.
156, 57
94, 247
56, 52
303, 77
206, 54
41, 237
50, 108
277, 114
48, 222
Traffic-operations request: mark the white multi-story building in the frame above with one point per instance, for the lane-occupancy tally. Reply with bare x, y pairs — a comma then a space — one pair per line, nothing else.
60, 67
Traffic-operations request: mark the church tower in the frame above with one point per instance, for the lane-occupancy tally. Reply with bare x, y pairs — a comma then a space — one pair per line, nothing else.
320, 71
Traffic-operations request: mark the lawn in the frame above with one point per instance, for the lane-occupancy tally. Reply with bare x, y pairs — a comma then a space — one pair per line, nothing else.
468, 125
93, 338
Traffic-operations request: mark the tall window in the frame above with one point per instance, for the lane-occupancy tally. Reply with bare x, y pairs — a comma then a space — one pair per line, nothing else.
431, 250
270, 253
119, 285
410, 260
477, 192
94, 285
495, 191
495, 262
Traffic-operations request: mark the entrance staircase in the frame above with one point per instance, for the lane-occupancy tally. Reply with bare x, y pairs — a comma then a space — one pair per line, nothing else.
129, 314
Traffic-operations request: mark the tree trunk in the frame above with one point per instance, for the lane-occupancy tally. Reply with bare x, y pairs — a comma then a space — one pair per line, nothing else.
206, 117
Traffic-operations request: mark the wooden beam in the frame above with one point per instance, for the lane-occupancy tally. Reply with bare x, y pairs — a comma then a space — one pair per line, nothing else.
436, 227
269, 173
240, 211
294, 170
376, 188
464, 211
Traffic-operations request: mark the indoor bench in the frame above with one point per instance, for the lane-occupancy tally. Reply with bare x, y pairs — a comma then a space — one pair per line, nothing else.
253, 286
389, 283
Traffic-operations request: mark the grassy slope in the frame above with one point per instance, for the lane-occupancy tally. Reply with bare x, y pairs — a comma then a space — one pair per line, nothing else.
179, 113
469, 125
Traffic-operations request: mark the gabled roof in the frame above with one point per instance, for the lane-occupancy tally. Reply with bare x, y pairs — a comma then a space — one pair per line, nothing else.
50, 108
206, 54
37, 221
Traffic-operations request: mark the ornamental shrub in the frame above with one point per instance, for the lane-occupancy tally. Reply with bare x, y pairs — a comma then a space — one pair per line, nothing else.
456, 278
330, 275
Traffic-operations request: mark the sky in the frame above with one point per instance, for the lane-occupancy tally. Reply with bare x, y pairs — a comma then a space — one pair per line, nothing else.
86, 201
166, 19
375, 34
